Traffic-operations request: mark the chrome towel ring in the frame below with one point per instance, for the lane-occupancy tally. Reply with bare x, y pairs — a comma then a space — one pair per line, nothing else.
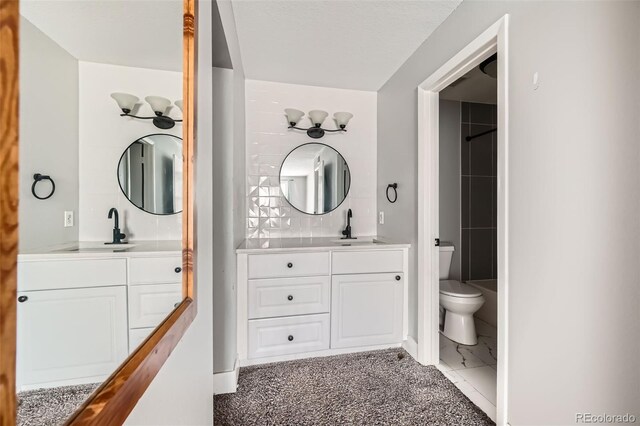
39, 177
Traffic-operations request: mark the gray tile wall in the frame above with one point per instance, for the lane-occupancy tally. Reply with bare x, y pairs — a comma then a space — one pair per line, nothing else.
478, 192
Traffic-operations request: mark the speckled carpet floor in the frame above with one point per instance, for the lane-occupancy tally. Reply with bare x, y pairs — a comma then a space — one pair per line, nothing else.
51, 407
370, 388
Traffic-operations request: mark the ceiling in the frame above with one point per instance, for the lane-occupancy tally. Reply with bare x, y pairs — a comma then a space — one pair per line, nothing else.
474, 86
352, 44
136, 33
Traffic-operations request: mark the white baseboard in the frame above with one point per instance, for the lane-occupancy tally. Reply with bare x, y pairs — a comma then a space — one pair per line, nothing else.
411, 346
315, 354
226, 382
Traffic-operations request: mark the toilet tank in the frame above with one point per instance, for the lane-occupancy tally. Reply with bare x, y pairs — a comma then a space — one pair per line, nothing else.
446, 254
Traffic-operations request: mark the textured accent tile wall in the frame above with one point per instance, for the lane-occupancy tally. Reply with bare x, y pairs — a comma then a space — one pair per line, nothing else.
269, 215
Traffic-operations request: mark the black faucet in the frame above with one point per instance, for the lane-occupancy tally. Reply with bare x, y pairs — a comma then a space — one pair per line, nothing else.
117, 235
347, 230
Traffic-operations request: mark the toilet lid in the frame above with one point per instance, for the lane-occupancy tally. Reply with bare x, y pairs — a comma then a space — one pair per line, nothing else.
457, 289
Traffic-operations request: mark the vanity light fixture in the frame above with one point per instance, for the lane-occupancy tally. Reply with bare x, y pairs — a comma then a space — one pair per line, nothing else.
317, 117
158, 104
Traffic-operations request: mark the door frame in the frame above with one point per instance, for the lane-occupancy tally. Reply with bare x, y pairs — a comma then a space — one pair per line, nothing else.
492, 40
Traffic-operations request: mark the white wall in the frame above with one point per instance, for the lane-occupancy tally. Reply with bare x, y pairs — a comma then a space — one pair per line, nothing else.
48, 138
223, 219
182, 392
104, 136
449, 126
269, 141
574, 211
229, 178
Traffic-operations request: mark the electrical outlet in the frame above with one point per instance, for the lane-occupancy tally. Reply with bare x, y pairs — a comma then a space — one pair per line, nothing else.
68, 219
381, 218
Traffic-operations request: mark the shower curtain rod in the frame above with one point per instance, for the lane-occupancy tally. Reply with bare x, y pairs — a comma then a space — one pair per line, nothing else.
468, 138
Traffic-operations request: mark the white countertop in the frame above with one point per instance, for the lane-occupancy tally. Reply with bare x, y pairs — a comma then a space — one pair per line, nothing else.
99, 249
322, 243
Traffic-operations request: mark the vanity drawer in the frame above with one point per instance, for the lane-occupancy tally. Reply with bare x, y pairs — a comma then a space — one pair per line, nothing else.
288, 265
155, 270
60, 274
288, 335
289, 296
367, 262
150, 304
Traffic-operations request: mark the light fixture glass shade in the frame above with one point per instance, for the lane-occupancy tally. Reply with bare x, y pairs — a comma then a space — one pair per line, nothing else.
179, 104
293, 115
125, 101
317, 116
158, 103
342, 118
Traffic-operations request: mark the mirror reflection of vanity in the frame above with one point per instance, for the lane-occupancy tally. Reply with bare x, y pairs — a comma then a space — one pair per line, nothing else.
84, 305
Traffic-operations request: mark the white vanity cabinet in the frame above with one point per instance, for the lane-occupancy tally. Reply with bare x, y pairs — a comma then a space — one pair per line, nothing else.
303, 298
80, 314
366, 309
70, 336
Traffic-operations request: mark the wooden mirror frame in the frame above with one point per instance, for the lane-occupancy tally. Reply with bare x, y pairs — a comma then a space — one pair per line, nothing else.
113, 401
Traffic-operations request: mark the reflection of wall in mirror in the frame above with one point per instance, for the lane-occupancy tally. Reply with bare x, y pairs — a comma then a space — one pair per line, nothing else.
48, 138
295, 189
104, 136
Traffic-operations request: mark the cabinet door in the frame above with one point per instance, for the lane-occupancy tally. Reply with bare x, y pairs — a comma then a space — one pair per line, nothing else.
366, 309
71, 336
149, 305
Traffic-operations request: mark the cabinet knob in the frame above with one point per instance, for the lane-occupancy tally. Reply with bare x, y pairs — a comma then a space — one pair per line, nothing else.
290, 338
289, 265
23, 299
175, 305
398, 278
178, 270
289, 297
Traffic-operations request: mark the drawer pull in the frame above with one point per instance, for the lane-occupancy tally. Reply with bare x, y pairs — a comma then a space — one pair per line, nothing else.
398, 278
23, 299
290, 338
289, 265
175, 305
178, 270
289, 297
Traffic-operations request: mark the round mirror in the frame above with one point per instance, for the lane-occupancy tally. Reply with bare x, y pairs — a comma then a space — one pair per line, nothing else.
150, 174
315, 178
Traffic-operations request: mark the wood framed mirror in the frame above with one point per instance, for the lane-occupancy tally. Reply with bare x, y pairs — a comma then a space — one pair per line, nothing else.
114, 399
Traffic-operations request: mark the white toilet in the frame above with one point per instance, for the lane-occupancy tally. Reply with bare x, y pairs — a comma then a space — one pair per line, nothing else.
460, 301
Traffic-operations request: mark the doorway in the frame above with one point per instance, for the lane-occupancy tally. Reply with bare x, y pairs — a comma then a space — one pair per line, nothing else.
492, 41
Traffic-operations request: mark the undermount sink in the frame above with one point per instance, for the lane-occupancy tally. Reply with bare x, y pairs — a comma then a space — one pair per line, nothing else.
99, 247
359, 240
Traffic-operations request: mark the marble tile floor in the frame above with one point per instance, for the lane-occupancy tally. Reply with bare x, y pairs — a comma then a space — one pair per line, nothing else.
473, 368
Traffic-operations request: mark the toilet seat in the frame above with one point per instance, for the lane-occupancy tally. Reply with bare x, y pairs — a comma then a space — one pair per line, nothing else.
457, 289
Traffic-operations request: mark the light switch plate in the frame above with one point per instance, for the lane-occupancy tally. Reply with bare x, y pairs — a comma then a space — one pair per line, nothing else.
68, 219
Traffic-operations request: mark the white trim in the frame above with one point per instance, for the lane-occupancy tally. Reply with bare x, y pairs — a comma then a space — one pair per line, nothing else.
242, 306
226, 382
405, 302
411, 346
494, 39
